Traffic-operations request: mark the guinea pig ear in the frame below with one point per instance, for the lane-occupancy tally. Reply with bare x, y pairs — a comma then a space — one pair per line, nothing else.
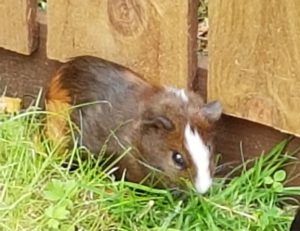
212, 111
159, 122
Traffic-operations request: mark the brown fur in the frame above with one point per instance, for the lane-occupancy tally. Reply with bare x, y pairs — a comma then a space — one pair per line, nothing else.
130, 106
58, 103
57, 92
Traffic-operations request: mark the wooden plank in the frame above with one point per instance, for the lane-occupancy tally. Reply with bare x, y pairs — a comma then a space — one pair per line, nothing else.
239, 139
24, 76
155, 38
9, 104
18, 28
254, 67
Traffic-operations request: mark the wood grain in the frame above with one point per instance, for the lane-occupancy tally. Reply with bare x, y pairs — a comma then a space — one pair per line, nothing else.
239, 139
18, 30
155, 38
254, 66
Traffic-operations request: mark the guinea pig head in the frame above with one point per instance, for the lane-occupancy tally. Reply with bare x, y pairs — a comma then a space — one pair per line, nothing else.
176, 131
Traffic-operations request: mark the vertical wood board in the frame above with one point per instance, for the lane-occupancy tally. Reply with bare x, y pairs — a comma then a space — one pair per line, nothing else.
154, 38
18, 28
254, 60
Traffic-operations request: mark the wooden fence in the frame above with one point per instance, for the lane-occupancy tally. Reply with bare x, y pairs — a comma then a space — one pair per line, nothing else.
18, 25
255, 60
133, 33
254, 55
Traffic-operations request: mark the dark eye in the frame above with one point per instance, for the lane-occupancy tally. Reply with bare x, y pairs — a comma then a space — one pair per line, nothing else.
178, 159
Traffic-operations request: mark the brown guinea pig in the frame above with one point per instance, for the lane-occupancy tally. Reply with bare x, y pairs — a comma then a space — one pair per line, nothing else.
170, 130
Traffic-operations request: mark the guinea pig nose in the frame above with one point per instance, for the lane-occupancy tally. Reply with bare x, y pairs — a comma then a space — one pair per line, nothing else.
202, 185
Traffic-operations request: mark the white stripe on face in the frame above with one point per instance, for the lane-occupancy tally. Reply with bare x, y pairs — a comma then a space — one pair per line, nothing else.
201, 156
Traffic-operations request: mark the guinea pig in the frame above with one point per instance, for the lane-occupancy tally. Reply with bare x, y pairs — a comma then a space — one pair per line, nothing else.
170, 131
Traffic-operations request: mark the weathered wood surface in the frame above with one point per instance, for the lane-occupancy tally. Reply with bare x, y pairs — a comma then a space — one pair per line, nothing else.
155, 38
239, 139
18, 28
254, 67
9, 104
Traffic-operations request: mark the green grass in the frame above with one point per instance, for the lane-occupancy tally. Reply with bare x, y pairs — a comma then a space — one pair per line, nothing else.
37, 193
42, 4
202, 9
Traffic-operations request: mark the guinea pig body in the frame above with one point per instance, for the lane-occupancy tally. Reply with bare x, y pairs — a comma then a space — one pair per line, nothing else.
169, 130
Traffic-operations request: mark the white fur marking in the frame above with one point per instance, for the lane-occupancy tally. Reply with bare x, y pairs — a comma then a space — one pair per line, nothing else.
179, 93
200, 155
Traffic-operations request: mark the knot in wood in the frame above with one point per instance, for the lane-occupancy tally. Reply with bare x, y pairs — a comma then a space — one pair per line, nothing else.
128, 17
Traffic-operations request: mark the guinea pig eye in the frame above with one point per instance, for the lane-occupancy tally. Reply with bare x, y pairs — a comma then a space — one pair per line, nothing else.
178, 159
